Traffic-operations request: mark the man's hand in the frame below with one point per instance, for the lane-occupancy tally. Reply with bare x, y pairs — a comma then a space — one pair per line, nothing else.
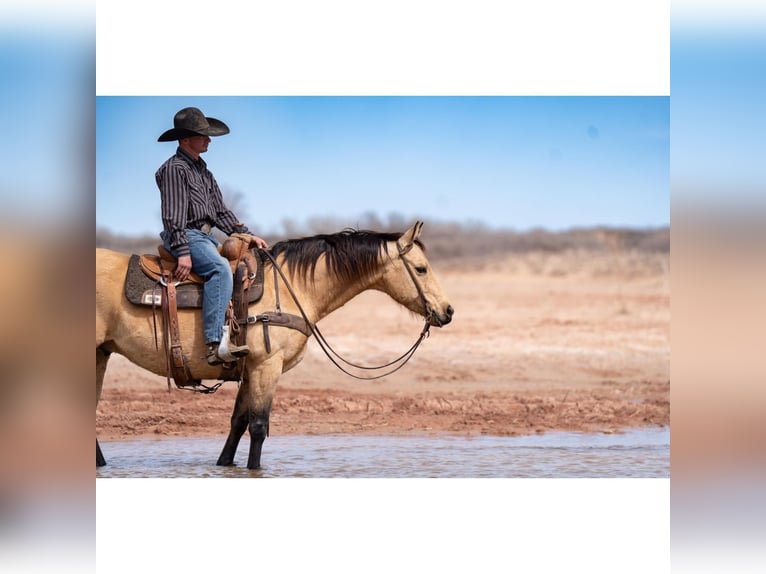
184, 268
256, 241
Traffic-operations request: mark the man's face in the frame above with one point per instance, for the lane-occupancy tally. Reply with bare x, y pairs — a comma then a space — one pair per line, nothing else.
198, 144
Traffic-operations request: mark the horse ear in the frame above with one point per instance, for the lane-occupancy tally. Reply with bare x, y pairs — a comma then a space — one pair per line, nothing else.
410, 236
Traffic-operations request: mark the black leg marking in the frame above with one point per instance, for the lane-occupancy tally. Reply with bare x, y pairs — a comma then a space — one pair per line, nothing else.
259, 430
100, 460
238, 427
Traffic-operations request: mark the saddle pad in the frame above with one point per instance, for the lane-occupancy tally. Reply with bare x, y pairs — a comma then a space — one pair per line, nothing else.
143, 290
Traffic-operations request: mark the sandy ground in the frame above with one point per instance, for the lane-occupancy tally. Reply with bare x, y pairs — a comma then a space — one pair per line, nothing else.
539, 342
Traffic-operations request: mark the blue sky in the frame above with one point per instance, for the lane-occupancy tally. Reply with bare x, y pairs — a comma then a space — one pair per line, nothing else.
46, 78
510, 161
718, 89
506, 162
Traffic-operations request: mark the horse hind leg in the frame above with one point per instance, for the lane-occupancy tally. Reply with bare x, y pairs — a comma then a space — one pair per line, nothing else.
100, 460
102, 358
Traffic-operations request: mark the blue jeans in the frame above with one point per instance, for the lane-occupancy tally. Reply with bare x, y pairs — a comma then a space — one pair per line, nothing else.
215, 270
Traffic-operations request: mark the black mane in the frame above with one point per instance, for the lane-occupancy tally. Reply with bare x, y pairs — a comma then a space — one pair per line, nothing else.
349, 254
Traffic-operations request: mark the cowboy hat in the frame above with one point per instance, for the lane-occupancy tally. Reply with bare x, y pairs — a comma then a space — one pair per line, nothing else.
192, 122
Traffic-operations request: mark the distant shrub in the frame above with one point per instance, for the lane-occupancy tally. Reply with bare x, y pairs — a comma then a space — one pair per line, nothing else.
445, 240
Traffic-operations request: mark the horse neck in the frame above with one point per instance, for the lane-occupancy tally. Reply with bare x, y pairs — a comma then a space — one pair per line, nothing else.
327, 292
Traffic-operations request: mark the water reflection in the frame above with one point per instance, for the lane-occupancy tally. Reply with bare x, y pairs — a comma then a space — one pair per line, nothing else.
639, 453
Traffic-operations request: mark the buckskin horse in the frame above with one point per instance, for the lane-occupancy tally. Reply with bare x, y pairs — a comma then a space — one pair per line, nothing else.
320, 274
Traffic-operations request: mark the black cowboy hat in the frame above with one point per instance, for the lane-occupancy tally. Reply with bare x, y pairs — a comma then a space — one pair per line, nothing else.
192, 122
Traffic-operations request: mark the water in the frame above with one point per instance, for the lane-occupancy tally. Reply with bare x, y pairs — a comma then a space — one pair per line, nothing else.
642, 453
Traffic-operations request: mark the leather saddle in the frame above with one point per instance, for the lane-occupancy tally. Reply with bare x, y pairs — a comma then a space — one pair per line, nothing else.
143, 278
149, 281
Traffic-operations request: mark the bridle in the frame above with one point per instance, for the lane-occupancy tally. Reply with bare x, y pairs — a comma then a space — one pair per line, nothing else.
426, 305
397, 363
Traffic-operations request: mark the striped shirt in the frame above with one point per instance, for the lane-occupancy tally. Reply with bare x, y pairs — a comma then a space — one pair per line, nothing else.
190, 198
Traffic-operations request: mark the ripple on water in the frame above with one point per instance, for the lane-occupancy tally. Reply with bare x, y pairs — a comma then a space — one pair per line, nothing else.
642, 453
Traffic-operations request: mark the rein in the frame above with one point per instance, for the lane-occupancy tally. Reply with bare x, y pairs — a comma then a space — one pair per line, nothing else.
327, 348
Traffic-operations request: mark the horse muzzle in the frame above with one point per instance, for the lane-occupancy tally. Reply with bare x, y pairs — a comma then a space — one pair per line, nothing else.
436, 319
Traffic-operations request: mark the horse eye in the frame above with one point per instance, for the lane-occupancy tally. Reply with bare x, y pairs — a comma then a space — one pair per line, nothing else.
421, 270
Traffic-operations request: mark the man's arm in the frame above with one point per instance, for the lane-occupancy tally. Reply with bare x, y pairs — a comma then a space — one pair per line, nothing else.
174, 206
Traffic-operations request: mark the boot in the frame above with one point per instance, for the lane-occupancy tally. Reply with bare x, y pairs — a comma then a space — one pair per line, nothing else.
217, 355
226, 351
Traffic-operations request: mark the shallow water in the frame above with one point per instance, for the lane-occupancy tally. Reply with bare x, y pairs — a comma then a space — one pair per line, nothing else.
642, 453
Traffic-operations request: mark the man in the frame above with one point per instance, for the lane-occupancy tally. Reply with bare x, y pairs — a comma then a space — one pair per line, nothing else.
192, 205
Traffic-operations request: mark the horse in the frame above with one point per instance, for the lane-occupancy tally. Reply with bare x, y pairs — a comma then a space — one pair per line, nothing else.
320, 274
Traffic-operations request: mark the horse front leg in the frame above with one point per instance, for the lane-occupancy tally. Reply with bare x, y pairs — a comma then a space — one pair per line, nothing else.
258, 425
251, 411
259, 430
240, 418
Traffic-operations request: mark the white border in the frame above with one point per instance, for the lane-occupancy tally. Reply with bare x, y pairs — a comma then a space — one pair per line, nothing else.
384, 47
385, 525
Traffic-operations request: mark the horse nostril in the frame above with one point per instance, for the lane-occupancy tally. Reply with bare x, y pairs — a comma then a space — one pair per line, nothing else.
450, 310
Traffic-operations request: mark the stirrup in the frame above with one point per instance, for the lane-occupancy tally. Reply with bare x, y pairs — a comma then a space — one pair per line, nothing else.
227, 351
213, 358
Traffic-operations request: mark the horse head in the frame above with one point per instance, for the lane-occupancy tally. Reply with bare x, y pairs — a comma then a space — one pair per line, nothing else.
409, 280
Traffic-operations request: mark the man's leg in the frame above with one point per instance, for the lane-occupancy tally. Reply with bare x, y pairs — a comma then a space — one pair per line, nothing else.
215, 270
209, 264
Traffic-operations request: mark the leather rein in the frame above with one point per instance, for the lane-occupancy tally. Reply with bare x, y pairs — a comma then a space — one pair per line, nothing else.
325, 346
